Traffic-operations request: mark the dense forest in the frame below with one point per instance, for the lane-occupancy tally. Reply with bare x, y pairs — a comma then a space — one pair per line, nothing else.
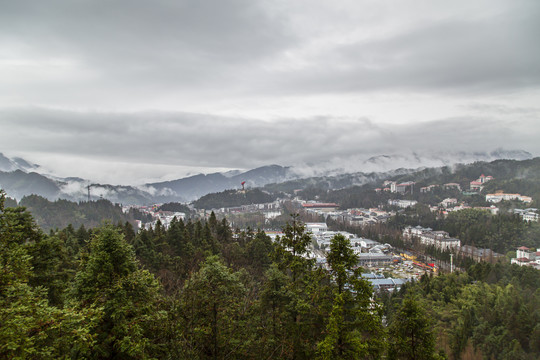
52, 215
232, 198
202, 290
175, 207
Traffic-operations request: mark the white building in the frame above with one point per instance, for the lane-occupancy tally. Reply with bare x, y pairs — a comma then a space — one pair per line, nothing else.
529, 214
478, 184
498, 197
448, 202
402, 203
316, 228
440, 239
527, 257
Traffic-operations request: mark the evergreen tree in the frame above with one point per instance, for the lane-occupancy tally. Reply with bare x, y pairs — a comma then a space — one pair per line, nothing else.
291, 255
354, 329
411, 335
275, 297
109, 279
213, 315
29, 326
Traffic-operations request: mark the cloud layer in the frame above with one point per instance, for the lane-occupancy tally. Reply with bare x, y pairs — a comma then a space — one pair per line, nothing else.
120, 144
181, 86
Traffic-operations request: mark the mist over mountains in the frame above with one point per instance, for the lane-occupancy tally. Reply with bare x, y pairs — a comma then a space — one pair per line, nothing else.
19, 177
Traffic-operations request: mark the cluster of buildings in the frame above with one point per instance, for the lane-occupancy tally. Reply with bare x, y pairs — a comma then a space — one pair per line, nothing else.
474, 186
268, 210
356, 216
362, 217
379, 282
370, 252
449, 205
164, 217
527, 257
428, 237
441, 240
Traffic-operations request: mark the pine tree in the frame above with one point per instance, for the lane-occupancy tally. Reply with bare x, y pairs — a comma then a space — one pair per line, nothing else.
411, 335
291, 252
29, 326
109, 279
354, 328
212, 312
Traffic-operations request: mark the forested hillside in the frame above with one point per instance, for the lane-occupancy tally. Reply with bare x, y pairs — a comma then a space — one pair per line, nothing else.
232, 198
200, 290
50, 215
510, 176
488, 312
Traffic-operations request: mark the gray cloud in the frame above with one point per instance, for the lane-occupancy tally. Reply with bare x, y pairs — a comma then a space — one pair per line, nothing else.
110, 54
206, 141
491, 53
135, 49
498, 109
325, 82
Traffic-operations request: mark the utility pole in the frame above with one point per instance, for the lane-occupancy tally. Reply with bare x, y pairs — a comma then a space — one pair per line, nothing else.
451, 263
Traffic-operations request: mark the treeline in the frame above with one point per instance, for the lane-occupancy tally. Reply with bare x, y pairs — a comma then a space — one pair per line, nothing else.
195, 291
51, 215
232, 198
175, 207
490, 312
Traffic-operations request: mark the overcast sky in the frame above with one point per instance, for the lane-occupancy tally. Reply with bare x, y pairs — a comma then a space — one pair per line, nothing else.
128, 91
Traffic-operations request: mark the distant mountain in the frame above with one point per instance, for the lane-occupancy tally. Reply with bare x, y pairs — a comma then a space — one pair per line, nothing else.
19, 177
7, 164
194, 187
413, 160
18, 184
335, 182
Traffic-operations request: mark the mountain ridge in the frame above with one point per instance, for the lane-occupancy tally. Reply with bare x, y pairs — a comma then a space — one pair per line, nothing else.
19, 181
